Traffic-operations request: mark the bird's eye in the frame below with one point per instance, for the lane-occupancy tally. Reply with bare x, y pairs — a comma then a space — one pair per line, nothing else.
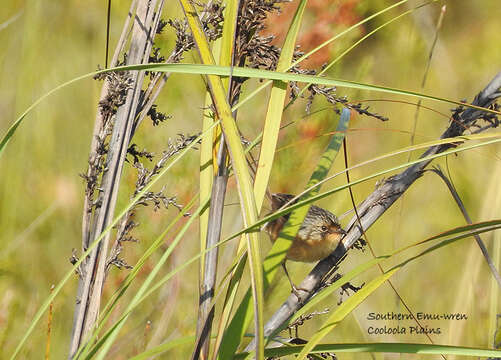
324, 228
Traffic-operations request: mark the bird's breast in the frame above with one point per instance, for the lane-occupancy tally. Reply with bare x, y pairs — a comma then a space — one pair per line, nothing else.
313, 250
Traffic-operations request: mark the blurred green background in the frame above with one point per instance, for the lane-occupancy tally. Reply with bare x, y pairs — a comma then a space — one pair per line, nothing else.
45, 43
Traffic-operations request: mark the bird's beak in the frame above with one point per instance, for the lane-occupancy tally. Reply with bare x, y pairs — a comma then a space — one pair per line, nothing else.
341, 231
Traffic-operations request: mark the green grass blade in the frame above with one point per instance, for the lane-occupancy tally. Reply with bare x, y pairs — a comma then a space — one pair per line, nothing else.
107, 340
228, 38
273, 118
325, 43
343, 310
275, 256
108, 308
450, 241
71, 272
275, 109
160, 349
398, 348
241, 72
245, 189
458, 230
204, 69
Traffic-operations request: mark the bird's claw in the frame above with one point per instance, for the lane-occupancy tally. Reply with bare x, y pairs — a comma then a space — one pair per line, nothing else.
295, 290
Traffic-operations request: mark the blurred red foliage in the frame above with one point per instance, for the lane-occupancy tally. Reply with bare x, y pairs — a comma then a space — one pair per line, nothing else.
322, 17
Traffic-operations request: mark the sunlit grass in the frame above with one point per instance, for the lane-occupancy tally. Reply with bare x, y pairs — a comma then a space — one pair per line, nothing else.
41, 193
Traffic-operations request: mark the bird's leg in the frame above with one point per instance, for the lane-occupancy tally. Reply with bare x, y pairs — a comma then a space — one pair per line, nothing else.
295, 290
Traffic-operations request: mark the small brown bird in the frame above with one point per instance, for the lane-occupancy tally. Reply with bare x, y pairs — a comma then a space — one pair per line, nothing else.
317, 237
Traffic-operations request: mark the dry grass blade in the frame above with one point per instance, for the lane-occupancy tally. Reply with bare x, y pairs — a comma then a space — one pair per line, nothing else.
98, 219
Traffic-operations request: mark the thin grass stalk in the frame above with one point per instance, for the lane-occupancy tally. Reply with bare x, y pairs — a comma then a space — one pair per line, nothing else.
437, 170
438, 26
49, 328
364, 236
396, 236
493, 193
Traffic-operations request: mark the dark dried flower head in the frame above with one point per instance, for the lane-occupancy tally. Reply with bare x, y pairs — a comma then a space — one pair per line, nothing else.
211, 17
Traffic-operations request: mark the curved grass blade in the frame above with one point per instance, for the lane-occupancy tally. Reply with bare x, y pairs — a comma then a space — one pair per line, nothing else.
108, 308
106, 341
160, 349
233, 335
12, 129
277, 254
363, 179
356, 299
241, 72
70, 273
203, 69
239, 163
398, 348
